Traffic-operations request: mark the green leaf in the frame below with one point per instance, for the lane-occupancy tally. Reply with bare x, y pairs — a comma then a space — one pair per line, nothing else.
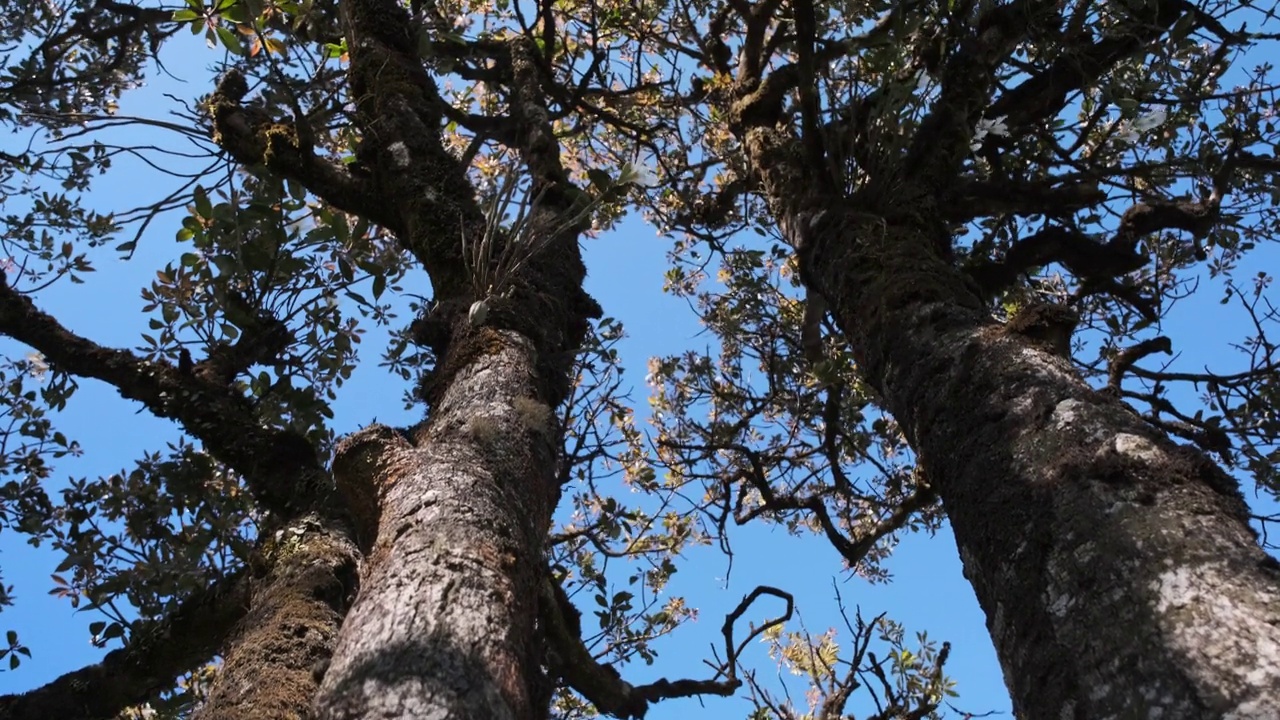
204, 208
230, 41
239, 15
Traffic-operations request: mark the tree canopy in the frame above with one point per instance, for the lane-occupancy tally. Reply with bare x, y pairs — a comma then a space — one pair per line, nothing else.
942, 251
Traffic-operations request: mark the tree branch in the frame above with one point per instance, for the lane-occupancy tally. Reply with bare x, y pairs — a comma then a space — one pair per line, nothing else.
1046, 93
604, 688
254, 139
1124, 359
1013, 197
1094, 262
942, 142
157, 652
280, 467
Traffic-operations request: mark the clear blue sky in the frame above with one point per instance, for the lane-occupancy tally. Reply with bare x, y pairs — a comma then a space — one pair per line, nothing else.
625, 274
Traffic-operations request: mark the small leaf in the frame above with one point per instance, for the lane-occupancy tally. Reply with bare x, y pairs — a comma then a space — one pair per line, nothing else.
600, 178
204, 208
229, 40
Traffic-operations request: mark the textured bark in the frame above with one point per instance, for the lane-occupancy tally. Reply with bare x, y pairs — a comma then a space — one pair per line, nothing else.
305, 579
444, 626
451, 517
456, 512
1117, 570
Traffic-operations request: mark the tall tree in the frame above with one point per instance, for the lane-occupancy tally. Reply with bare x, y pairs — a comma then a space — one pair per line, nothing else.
451, 514
409, 572
393, 572
961, 185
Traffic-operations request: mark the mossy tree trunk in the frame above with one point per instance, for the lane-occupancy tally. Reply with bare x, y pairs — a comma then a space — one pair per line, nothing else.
1116, 569
452, 514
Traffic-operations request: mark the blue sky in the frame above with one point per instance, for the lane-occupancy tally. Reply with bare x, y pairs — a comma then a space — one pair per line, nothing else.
625, 270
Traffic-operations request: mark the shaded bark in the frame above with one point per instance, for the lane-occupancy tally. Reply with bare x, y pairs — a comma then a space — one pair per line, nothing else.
305, 577
455, 512
1117, 570
444, 626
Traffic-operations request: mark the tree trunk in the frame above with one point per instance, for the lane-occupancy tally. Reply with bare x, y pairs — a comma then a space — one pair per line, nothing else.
450, 517
444, 626
1117, 569
305, 577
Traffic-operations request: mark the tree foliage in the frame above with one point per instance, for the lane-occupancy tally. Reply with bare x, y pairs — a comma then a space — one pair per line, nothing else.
422, 176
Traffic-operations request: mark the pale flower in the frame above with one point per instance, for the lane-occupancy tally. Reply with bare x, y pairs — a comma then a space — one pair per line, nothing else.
646, 178
638, 175
38, 366
978, 135
996, 126
1125, 134
1129, 132
1150, 121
